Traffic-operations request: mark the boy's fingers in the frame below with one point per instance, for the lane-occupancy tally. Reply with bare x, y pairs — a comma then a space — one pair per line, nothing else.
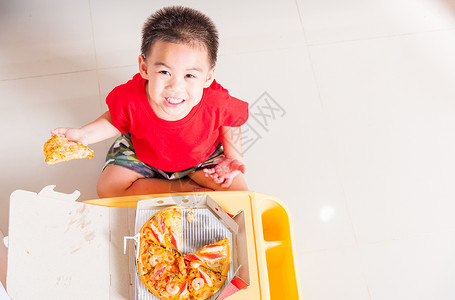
209, 171
58, 131
218, 179
222, 169
84, 142
230, 178
228, 181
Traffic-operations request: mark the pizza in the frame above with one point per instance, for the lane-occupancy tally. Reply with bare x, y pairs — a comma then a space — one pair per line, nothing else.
163, 272
215, 257
164, 228
58, 149
167, 272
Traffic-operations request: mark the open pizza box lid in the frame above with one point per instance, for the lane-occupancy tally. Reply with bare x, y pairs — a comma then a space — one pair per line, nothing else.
60, 248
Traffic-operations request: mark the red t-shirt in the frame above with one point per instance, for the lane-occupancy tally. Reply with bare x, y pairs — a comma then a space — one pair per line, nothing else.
174, 146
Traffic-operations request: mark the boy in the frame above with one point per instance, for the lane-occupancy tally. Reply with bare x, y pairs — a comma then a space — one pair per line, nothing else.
173, 116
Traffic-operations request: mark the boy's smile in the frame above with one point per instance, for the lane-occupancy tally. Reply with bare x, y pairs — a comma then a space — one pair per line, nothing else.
177, 75
173, 101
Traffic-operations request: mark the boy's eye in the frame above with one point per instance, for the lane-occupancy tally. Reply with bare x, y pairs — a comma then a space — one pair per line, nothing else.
190, 76
164, 72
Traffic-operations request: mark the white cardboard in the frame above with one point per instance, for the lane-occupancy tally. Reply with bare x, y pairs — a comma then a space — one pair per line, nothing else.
3, 258
58, 248
3, 294
3, 261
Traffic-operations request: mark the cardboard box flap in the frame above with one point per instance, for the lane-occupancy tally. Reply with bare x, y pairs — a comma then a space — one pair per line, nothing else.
242, 247
61, 243
241, 278
189, 201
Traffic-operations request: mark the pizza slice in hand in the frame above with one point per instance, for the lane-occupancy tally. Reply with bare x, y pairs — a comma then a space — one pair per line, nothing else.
58, 149
215, 257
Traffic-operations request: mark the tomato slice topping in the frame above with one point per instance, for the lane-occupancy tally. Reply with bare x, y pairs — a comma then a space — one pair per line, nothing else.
161, 224
192, 257
154, 233
158, 272
212, 256
183, 288
206, 277
174, 241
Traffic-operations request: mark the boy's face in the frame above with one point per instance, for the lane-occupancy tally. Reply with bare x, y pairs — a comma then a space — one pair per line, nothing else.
177, 75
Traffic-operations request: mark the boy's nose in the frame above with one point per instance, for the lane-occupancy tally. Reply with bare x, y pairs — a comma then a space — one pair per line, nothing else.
176, 83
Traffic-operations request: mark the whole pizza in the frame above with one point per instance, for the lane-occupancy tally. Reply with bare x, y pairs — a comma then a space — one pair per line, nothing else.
169, 274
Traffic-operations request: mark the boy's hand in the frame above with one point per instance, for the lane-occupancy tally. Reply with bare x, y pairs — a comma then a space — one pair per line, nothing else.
225, 171
72, 134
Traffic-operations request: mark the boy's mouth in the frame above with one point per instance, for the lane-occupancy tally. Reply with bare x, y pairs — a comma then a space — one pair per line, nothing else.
170, 101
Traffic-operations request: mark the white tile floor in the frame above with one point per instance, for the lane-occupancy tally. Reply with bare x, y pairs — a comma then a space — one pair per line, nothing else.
361, 147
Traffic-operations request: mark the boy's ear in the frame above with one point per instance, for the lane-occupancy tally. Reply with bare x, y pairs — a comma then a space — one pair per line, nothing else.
210, 77
142, 66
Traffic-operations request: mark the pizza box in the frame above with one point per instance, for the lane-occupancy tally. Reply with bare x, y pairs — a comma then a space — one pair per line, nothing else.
61, 248
210, 223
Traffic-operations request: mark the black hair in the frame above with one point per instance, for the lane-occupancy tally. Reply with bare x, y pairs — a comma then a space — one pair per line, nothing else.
178, 24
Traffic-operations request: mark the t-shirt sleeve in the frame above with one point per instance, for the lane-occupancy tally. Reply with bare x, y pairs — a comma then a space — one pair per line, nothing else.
235, 112
117, 109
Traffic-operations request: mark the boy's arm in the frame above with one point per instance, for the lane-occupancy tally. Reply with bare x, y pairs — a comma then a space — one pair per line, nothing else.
232, 164
96, 131
231, 138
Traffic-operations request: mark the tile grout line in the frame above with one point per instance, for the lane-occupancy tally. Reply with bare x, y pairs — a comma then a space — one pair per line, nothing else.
334, 154
101, 108
46, 75
383, 241
303, 252
66, 73
338, 168
96, 57
97, 70
306, 44
262, 50
378, 37
301, 21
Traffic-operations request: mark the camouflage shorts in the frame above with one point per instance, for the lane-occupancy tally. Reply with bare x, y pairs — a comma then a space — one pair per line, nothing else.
122, 154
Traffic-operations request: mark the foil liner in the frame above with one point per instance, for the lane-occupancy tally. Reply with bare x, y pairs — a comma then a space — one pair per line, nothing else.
205, 228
